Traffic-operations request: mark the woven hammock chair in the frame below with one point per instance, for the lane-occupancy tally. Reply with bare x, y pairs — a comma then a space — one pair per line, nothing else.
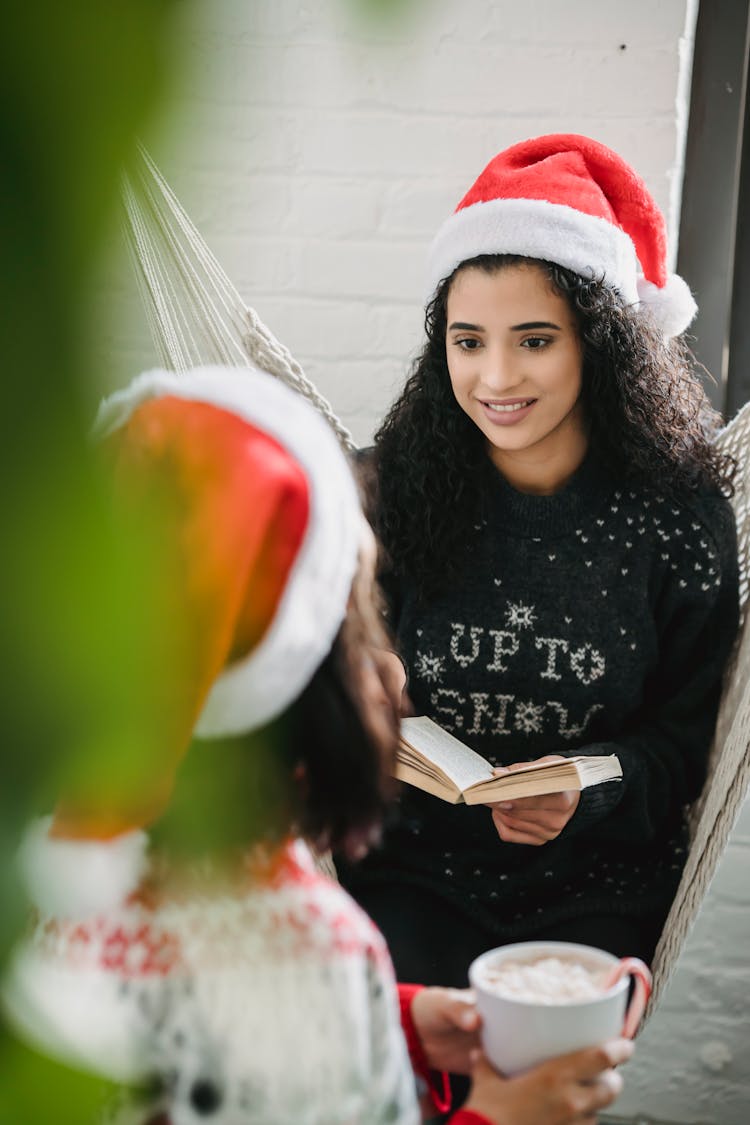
197, 317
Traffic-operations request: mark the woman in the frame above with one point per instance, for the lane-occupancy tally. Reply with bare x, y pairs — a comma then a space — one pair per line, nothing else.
560, 561
223, 974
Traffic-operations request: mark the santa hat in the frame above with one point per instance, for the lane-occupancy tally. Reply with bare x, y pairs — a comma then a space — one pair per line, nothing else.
568, 199
264, 520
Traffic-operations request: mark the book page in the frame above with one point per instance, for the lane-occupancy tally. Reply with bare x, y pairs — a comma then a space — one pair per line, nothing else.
458, 762
427, 782
541, 778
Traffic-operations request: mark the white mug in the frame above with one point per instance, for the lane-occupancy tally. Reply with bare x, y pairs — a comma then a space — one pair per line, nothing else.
518, 1034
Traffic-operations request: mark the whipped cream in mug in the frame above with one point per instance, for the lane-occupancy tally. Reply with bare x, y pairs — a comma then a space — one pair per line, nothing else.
545, 980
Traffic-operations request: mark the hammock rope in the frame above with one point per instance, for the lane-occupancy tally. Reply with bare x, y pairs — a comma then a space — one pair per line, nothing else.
195, 313
198, 317
715, 812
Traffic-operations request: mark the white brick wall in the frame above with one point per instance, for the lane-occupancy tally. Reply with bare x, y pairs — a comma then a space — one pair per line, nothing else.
318, 155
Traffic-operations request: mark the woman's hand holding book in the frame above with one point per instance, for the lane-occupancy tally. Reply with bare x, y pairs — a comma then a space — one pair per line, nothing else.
533, 820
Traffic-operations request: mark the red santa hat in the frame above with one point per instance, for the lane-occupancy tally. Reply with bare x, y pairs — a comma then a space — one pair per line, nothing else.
567, 199
263, 519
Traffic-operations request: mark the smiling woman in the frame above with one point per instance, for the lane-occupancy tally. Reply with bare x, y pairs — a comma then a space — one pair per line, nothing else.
559, 557
516, 372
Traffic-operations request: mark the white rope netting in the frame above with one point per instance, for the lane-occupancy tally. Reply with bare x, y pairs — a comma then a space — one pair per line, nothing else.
197, 317
715, 813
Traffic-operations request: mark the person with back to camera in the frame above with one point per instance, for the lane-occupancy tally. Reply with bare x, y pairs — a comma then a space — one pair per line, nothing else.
222, 972
559, 557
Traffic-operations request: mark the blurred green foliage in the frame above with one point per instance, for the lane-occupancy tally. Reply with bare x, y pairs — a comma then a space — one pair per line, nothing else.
84, 670
38, 1091
77, 81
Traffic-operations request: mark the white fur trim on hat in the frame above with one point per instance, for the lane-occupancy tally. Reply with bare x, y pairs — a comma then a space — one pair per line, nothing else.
534, 228
554, 232
78, 878
255, 690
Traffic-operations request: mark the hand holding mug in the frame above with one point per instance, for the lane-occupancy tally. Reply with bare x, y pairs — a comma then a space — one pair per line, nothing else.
447, 1022
568, 1090
542, 999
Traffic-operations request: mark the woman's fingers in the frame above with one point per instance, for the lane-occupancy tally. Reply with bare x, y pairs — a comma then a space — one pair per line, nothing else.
531, 822
549, 802
596, 1095
566, 1090
591, 1062
511, 835
515, 830
534, 822
602, 1091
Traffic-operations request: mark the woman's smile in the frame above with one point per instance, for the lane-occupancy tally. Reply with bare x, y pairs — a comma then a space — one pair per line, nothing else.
507, 412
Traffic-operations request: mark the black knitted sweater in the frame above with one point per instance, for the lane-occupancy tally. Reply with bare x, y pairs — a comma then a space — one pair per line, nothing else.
595, 621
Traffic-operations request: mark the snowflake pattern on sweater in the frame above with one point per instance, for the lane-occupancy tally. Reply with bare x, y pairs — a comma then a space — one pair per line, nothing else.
594, 621
272, 1005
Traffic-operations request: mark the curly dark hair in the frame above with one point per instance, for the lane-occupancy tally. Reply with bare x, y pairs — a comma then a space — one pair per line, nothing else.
647, 413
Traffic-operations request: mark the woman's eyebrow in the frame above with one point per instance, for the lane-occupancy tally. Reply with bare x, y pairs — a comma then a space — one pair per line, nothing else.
534, 324
464, 326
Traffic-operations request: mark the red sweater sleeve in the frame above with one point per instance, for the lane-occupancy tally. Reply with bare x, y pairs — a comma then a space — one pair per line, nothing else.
438, 1086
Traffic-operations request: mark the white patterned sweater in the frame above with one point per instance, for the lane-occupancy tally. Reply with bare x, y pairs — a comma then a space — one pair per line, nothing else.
272, 1005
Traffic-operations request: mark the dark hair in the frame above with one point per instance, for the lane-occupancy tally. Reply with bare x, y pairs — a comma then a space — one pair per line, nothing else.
343, 731
648, 416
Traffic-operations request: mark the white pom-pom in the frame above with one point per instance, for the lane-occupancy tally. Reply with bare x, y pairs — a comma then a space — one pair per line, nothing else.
672, 307
77, 878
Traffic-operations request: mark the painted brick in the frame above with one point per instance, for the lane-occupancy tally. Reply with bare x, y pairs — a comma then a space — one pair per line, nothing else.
361, 269
254, 204
369, 330
587, 22
418, 206
357, 387
327, 206
392, 145
251, 139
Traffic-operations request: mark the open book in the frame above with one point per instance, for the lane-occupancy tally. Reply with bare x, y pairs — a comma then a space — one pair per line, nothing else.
435, 761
